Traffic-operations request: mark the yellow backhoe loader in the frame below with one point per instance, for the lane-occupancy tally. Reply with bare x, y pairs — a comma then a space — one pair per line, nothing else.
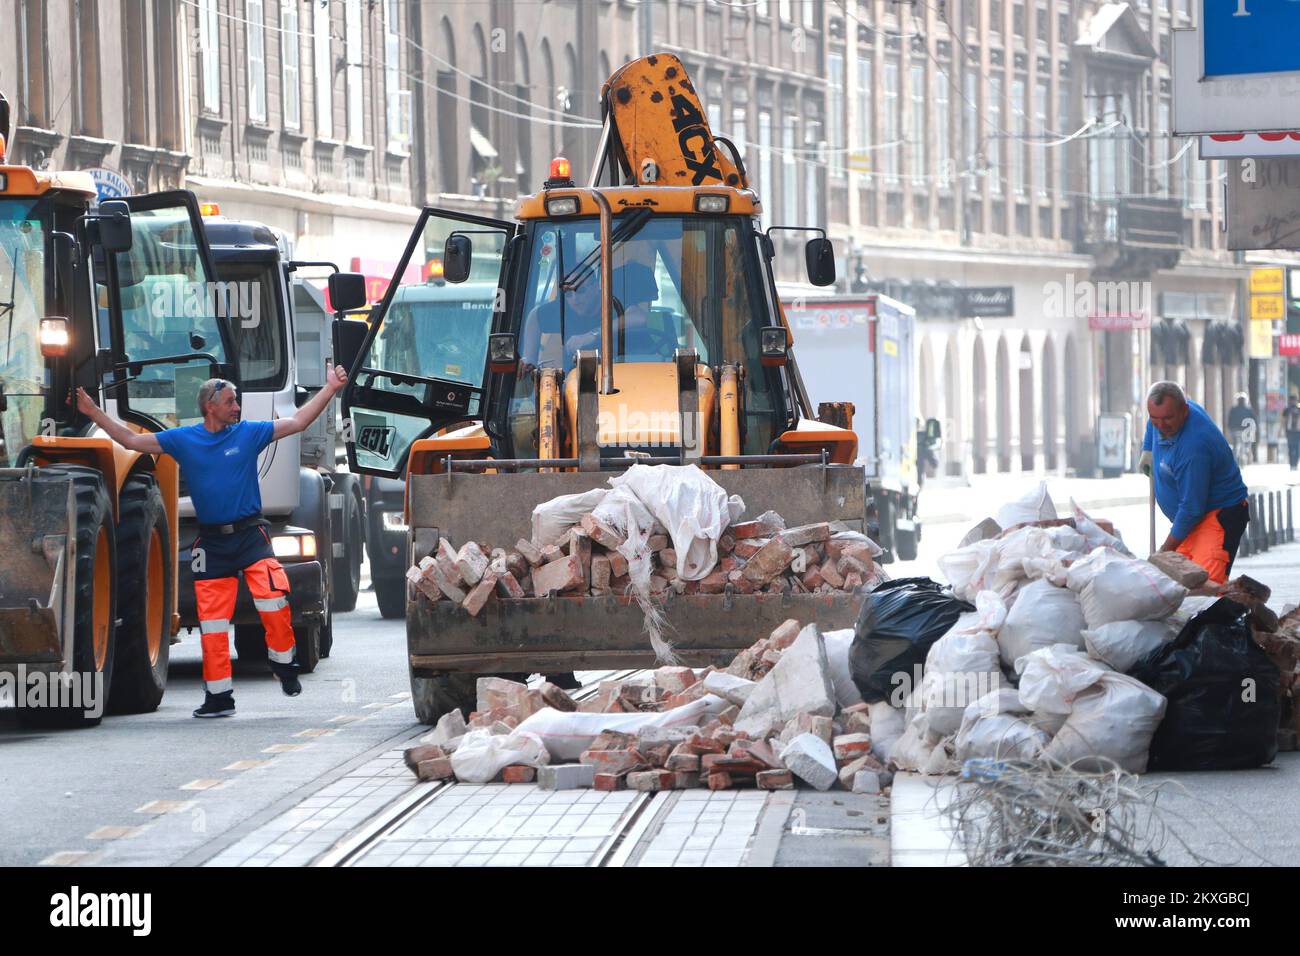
114, 298
637, 320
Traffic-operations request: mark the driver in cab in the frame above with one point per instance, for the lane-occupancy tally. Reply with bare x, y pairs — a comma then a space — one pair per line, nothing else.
579, 319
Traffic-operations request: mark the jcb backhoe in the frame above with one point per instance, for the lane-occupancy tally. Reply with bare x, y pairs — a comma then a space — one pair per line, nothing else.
113, 298
636, 320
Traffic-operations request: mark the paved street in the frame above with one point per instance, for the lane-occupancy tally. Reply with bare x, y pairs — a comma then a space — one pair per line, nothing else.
296, 781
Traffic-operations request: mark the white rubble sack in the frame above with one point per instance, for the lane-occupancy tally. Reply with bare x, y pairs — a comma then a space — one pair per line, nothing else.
551, 519
1035, 505
1121, 644
962, 666
1113, 720
838, 644
482, 755
800, 683
1112, 587
692, 506
810, 758
995, 726
1043, 615
887, 726
1096, 537
566, 734
920, 750
1051, 678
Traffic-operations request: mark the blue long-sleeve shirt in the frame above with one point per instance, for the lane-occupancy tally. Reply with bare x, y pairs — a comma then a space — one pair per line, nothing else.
1195, 472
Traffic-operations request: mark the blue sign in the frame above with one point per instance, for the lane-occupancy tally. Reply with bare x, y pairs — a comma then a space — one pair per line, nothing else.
109, 184
1244, 37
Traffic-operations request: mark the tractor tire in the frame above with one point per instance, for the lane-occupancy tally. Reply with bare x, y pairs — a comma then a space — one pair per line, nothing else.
94, 641
433, 697
308, 640
347, 568
391, 595
144, 580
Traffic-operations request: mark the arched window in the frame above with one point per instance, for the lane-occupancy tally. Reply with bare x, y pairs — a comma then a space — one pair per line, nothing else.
483, 158
549, 96
523, 171
448, 132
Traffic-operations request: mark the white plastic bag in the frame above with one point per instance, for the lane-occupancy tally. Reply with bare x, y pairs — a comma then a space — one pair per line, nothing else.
1125, 589
838, 644
1121, 644
551, 519
691, 505
1052, 677
962, 666
966, 568
1113, 720
1043, 615
915, 748
482, 755
994, 726
1035, 505
566, 734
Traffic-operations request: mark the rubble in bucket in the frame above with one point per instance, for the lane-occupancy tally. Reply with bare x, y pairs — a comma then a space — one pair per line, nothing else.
659, 529
1053, 644
785, 712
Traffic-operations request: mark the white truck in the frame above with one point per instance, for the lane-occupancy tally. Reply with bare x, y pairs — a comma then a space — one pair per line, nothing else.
860, 348
317, 512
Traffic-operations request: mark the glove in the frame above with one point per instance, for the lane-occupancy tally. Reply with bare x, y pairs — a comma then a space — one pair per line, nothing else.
1146, 464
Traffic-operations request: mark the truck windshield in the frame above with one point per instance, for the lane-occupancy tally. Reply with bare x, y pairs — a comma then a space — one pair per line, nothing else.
24, 225
254, 292
678, 282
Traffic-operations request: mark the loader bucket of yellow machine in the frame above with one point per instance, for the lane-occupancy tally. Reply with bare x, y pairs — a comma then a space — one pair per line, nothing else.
36, 513
562, 633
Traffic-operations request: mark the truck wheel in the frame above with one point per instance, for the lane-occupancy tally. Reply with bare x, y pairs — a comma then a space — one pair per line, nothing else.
391, 595
434, 696
95, 602
327, 634
145, 579
347, 567
307, 638
250, 642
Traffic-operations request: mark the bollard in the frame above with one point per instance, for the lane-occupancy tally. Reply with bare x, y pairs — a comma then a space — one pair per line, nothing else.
1271, 526
1290, 525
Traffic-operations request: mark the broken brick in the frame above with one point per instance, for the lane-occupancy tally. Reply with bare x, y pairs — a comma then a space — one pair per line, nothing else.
718, 781
714, 583
518, 773
768, 562
551, 552
657, 542
726, 543
509, 587
472, 563
614, 761
850, 746
675, 680
764, 526
601, 574
668, 558
561, 575
775, 780
478, 597
651, 780
831, 574
531, 553
750, 547
806, 534
601, 533
439, 768
784, 635
414, 756
613, 740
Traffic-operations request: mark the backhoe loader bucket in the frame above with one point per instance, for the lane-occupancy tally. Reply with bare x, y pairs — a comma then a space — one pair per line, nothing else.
35, 518
548, 635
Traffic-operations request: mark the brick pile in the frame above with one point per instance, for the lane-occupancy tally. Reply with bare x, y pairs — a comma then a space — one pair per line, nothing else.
778, 724
762, 555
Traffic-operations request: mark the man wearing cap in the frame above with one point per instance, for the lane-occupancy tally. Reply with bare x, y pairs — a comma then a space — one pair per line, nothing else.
1197, 482
218, 457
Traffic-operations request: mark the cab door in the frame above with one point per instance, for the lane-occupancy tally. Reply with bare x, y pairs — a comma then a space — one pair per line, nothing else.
169, 318
423, 364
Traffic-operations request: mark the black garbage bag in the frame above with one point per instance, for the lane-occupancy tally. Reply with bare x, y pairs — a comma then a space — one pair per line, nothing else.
898, 622
1223, 693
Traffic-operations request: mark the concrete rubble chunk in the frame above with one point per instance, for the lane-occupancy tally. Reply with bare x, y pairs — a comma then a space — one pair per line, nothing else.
450, 726
733, 689
810, 759
822, 727
866, 781
800, 683
565, 776
855, 767
806, 534
770, 561
472, 562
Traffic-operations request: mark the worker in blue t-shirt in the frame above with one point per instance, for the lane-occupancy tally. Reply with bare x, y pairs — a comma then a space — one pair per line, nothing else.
218, 457
1197, 482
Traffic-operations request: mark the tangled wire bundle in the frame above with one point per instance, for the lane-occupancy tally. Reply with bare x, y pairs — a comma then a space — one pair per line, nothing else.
1021, 814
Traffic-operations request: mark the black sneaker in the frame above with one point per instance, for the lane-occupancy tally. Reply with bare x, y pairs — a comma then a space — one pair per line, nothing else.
287, 675
217, 705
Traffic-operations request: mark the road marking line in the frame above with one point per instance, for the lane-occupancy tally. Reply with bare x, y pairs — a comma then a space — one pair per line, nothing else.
315, 732
345, 719
203, 783
115, 833
282, 748
165, 806
67, 858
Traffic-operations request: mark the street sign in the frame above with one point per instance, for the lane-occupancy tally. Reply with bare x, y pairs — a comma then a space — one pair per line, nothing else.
1288, 344
859, 162
1269, 280
1246, 37
1237, 145
993, 302
1263, 203
108, 184
1267, 308
1243, 104
1261, 339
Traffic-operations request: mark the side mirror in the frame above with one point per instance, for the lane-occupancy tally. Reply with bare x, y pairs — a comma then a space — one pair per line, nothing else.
349, 336
503, 353
773, 345
347, 291
456, 255
819, 256
197, 342
113, 226
933, 431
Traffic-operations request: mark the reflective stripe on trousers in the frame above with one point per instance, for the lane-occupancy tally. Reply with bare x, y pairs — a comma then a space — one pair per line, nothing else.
269, 586
216, 597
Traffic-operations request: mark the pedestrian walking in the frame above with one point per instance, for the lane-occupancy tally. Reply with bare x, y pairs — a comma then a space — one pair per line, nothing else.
1291, 423
1198, 485
218, 457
